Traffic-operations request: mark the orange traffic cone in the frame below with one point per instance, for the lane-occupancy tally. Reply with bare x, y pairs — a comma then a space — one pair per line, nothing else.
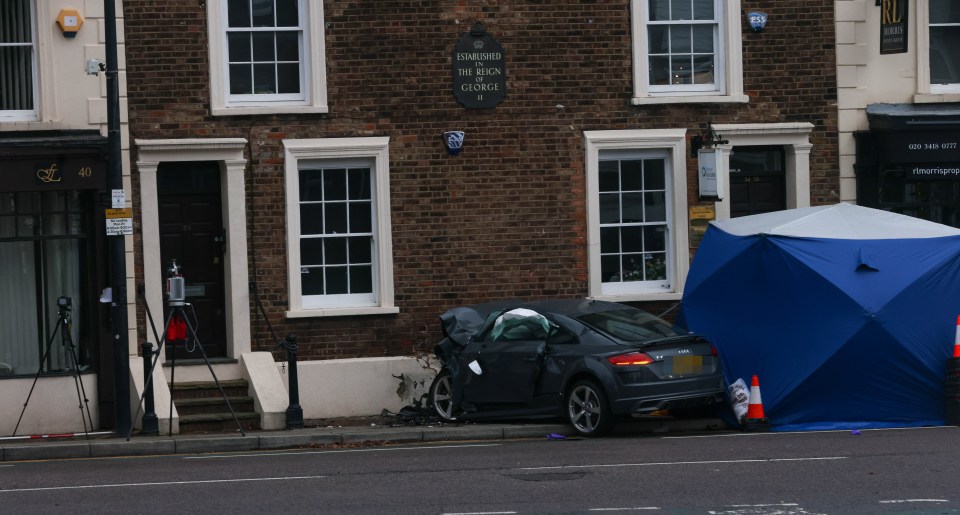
956, 341
755, 419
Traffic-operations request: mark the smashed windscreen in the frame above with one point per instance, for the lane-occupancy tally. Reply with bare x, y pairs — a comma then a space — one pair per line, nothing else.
631, 325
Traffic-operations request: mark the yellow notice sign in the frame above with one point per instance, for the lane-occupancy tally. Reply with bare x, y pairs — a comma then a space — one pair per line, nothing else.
124, 212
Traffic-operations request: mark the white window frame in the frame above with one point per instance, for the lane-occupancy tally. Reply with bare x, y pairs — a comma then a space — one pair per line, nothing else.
28, 115
297, 154
313, 67
673, 143
728, 67
928, 92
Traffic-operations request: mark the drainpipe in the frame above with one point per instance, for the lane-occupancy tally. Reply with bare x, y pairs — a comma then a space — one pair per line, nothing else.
118, 268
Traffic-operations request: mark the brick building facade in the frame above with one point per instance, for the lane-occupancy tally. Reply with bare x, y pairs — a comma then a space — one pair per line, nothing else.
519, 212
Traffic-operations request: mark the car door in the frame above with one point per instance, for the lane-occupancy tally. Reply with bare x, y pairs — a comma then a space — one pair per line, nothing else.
509, 366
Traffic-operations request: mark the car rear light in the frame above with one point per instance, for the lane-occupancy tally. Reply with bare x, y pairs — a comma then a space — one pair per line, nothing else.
713, 351
633, 358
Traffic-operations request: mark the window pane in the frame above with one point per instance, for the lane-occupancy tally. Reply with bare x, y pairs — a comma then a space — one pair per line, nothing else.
659, 10
633, 207
238, 13
680, 39
944, 11
335, 218
659, 71
653, 175
681, 10
609, 172
655, 266
609, 240
655, 206
16, 78
632, 175
288, 78
311, 219
609, 208
288, 46
658, 42
703, 69
610, 268
311, 185
238, 47
240, 81
702, 39
264, 79
703, 9
682, 70
311, 251
263, 49
334, 184
336, 251
654, 238
361, 279
263, 13
632, 239
337, 280
287, 14
359, 183
360, 249
945, 55
360, 217
311, 281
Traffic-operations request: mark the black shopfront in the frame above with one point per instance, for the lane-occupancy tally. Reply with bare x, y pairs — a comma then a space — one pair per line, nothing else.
53, 252
909, 161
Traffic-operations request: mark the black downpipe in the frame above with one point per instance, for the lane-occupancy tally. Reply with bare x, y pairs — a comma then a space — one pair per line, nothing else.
118, 268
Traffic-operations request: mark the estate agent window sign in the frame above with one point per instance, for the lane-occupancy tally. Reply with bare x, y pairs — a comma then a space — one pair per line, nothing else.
479, 70
893, 26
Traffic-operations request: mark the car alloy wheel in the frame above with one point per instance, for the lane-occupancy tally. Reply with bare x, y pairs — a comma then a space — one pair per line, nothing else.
588, 410
441, 396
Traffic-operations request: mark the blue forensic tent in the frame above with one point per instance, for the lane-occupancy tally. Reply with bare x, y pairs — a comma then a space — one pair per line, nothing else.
846, 314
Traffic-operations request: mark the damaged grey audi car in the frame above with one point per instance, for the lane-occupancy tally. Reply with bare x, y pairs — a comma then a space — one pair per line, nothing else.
589, 361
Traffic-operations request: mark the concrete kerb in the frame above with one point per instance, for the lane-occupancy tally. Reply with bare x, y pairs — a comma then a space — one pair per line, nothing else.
317, 437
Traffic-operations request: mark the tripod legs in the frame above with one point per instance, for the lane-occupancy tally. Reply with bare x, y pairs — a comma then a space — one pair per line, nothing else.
63, 325
175, 313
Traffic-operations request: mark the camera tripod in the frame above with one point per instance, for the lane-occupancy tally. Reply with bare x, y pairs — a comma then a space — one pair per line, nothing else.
63, 326
177, 328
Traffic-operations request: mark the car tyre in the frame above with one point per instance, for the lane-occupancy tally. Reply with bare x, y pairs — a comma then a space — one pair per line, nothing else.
588, 409
441, 396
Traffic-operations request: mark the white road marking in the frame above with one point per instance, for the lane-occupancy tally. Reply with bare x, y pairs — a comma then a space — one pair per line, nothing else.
336, 451
482, 513
625, 509
711, 462
898, 501
787, 433
163, 483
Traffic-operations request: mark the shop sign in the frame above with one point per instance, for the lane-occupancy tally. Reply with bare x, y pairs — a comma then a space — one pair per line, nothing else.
54, 173
710, 172
893, 26
933, 171
923, 147
479, 70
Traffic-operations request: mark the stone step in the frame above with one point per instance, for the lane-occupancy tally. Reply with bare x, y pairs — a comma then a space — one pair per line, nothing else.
210, 405
208, 389
218, 422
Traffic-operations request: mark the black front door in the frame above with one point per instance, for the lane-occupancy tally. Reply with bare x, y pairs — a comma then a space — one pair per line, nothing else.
757, 181
191, 232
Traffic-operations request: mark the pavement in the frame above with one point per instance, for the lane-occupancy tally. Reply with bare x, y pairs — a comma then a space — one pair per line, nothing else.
103, 444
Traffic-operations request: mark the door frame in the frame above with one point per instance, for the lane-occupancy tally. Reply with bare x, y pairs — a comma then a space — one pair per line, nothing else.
794, 137
228, 153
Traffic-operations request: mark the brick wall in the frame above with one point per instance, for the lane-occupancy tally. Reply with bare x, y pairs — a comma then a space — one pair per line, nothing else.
506, 218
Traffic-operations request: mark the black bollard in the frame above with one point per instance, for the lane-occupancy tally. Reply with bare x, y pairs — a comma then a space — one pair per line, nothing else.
149, 425
294, 411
